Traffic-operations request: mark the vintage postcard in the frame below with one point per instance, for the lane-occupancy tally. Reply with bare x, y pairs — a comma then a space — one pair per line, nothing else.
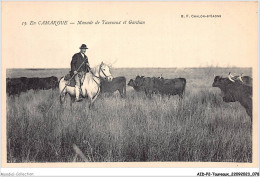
129, 84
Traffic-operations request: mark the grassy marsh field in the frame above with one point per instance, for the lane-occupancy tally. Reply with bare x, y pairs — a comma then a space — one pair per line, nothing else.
199, 127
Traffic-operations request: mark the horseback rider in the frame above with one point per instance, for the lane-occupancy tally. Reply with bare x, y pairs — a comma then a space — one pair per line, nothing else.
79, 69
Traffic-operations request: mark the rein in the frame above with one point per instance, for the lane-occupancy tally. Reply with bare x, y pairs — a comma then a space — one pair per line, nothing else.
99, 74
98, 78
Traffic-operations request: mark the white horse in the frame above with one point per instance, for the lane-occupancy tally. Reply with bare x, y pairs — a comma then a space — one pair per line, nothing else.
90, 84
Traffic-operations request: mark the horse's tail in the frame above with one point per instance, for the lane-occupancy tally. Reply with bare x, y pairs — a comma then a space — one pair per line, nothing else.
58, 83
62, 85
62, 95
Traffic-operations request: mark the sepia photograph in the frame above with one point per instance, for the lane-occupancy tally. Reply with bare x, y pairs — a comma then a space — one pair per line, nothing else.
129, 84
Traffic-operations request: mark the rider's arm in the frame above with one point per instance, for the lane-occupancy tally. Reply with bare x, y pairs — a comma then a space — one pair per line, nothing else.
87, 63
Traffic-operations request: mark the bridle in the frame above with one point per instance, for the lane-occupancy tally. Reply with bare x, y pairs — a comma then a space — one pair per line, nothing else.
99, 77
99, 71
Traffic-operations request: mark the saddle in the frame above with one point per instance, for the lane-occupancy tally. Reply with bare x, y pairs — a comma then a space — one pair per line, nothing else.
72, 81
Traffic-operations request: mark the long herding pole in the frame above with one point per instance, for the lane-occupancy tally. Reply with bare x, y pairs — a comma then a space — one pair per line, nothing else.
67, 84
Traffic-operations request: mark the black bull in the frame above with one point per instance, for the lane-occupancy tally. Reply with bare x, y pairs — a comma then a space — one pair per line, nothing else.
118, 83
159, 85
17, 85
235, 91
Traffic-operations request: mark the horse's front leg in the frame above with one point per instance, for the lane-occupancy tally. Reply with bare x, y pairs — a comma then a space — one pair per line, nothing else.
84, 93
93, 98
62, 98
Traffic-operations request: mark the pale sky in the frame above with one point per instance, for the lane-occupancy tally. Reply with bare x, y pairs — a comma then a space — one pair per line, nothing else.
165, 40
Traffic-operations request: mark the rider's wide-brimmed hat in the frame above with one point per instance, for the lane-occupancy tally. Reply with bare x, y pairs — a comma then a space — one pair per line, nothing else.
83, 46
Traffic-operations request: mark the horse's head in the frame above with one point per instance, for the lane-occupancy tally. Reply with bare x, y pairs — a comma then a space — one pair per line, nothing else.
105, 72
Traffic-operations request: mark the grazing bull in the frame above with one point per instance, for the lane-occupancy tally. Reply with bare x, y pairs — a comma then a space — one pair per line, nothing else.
14, 86
138, 85
149, 85
17, 85
48, 83
133, 83
170, 86
235, 91
118, 83
159, 85
45, 83
33, 83
247, 80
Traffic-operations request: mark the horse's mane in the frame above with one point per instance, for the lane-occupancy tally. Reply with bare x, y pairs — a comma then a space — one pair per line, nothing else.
96, 68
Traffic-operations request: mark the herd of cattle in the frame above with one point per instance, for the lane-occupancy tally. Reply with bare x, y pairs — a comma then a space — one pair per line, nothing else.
14, 86
233, 88
159, 85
